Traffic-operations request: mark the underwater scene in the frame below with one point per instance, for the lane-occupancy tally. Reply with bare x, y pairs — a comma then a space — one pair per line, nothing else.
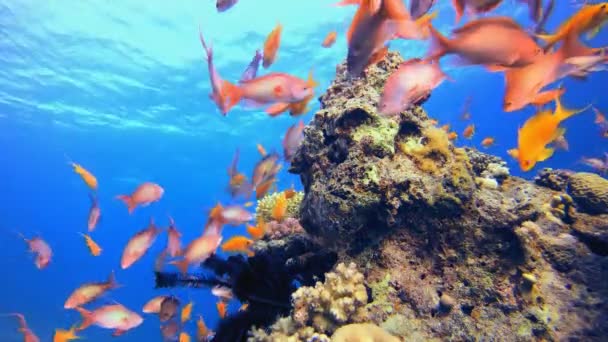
304, 170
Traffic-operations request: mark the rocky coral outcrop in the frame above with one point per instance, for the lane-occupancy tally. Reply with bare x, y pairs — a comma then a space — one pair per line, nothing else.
590, 192
472, 253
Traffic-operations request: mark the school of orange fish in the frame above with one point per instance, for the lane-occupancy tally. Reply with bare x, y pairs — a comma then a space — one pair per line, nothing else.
496, 42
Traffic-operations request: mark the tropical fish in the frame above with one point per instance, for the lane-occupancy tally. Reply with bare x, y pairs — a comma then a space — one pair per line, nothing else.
469, 131
233, 215
261, 150
145, 194
173, 239
292, 140
265, 169
168, 308
91, 245
221, 308
201, 329
452, 136
280, 208
474, 7
139, 244
600, 118
115, 316
224, 5
186, 312
62, 335
487, 142
330, 39
410, 84
538, 132
222, 292
238, 184
271, 45
28, 335
153, 305
94, 213
252, 69
244, 307
238, 244
597, 164
184, 337
86, 176
198, 250
418, 8
89, 292
488, 41
589, 18
257, 232
41, 250
262, 189
170, 330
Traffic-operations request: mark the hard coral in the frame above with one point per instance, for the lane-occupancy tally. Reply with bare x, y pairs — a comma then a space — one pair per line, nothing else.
362, 332
266, 204
590, 192
277, 230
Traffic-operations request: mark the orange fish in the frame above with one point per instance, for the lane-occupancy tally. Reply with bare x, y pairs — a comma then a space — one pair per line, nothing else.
86, 176
145, 194
265, 169
475, 7
238, 244
445, 128
538, 132
184, 337
173, 240
187, 312
198, 250
92, 245
589, 18
280, 207
330, 39
249, 204
89, 292
295, 109
221, 308
201, 329
469, 131
289, 193
41, 249
244, 307
488, 41
94, 214
257, 232
271, 46
114, 316
599, 117
62, 335
139, 244
452, 136
153, 305
262, 189
238, 184
261, 150
28, 335
487, 142
433, 122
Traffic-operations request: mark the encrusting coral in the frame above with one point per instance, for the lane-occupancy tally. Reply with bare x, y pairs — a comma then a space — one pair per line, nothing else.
362, 332
590, 192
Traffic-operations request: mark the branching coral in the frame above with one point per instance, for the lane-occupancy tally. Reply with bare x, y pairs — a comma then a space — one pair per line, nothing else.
321, 309
267, 203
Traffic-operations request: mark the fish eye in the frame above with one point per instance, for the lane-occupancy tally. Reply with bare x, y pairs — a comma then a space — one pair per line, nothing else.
508, 104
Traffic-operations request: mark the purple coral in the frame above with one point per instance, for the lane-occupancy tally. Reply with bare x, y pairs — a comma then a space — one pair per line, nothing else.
279, 230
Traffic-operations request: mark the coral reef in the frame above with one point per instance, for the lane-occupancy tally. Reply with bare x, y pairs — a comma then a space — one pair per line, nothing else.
279, 230
266, 204
321, 309
362, 332
590, 192
458, 248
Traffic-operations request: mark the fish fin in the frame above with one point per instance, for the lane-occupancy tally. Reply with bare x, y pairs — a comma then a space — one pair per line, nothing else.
547, 96
424, 22
377, 56
251, 104
514, 153
563, 113
128, 202
439, 44
546, 154
496, 68
550, 39
310, 81
277, 108
231, 94
112, 284
459, 8
87, 318
118, 332
182, 265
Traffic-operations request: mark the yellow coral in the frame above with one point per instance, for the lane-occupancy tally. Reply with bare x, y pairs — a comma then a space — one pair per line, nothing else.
362, 332
267, 203
428, 151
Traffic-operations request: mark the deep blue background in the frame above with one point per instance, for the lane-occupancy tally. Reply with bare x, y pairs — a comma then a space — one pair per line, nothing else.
121, 88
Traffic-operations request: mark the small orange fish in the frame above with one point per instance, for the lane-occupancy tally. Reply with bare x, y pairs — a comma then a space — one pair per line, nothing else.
590, 17
261, 150
41, 249
469, 131
271, 46
238, 244
92, 245
433, 122
173, 240
289, 193
94, 213
244, 307
445, 128
452, 136
184, 337
487, 142
88, 292
221, 308
475, 7
249, 204
139, 244
201, 329
599, 117
257, 232
28, 335
145, 194
198, 250
262, 189
153, 305
62, 335
280, 207
330, 39
86, 176
187, 312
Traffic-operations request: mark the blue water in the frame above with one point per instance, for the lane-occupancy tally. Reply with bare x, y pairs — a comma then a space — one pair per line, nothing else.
121, 88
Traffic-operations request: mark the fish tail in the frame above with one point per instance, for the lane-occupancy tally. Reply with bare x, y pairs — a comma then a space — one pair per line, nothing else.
87, 318
563, 113
550, 39
182, 265
277, 108
112, 283
439, 44
208, 49
128, 202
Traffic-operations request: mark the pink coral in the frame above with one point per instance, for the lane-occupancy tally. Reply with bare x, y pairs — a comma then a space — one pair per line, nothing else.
279, 230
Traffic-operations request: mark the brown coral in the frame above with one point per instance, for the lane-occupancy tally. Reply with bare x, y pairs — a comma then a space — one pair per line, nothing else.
590, 192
